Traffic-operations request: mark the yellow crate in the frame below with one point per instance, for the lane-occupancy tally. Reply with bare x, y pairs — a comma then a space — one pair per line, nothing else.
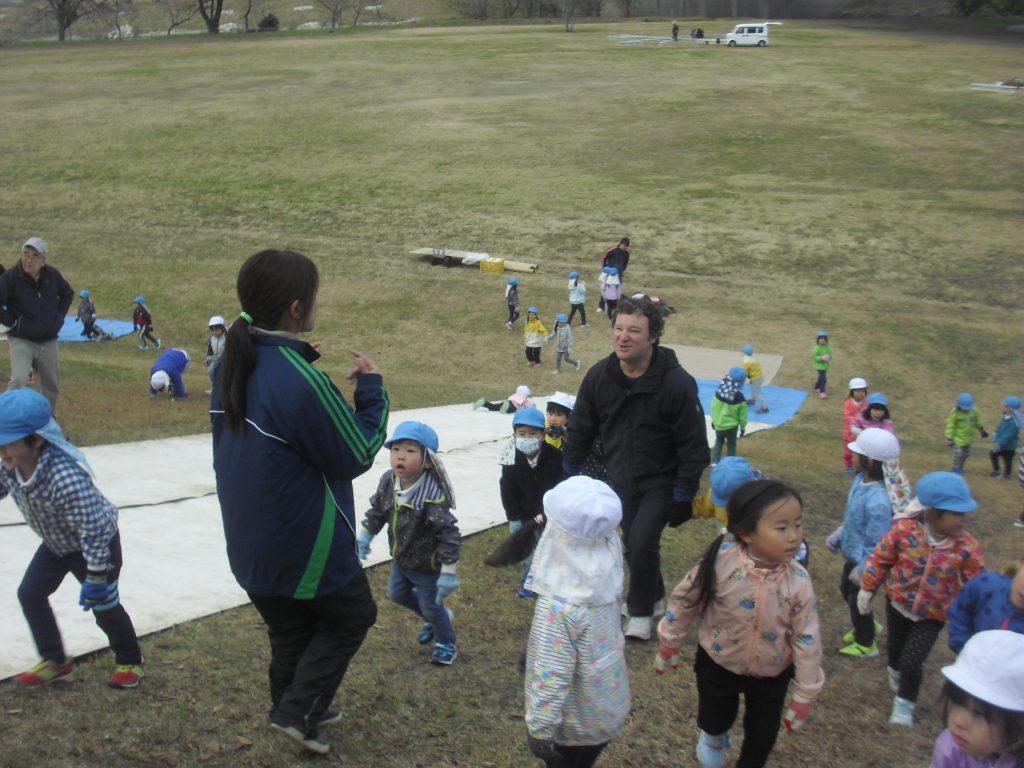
492, 266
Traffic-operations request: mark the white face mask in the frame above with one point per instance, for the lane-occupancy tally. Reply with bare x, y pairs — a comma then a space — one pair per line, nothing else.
528, 445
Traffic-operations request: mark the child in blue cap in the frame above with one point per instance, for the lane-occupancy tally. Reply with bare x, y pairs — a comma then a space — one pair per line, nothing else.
728, 412
414, 500
50, 481
961, 425
563, 343
577, 298
142, 323
512, 301
923, 561
755, 375
1006, 437
534, 336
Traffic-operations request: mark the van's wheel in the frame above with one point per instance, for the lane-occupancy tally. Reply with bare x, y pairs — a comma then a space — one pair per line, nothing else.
761, 43
732, 43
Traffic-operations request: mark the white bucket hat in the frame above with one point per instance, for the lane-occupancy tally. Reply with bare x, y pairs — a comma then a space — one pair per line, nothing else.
876, 444
159, 381
583, 506
989, 668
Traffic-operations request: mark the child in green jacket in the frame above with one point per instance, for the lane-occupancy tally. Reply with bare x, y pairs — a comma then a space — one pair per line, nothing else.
822, 354
961, 424
728, 412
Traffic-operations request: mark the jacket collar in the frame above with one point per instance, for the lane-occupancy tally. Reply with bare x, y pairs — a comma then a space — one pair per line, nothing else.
270, 340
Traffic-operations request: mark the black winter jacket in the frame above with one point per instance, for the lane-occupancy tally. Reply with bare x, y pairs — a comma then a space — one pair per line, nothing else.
523, 487
652, 428
34, 309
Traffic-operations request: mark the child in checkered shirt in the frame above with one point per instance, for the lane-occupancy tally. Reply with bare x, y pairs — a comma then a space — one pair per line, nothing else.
50, 481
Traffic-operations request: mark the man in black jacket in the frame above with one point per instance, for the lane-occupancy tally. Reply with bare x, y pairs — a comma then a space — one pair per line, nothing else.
643, 406
34, 298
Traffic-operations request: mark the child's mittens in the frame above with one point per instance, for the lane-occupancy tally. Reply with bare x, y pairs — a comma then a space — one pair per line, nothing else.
447, 583
363, 543
983, 431
95, 590
834, 540
864, 599
667, 658
798, 713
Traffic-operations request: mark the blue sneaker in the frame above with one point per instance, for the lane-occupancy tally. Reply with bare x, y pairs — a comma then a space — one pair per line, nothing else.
444, 654
526, 594
426, 634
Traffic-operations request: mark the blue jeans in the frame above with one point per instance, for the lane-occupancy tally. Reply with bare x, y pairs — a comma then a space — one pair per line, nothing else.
417, 591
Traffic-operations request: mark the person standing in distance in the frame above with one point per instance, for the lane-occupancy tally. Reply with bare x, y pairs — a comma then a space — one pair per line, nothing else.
34, 298
643, 406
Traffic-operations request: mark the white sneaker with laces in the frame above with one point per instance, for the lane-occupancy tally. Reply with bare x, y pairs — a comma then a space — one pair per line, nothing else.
638, 628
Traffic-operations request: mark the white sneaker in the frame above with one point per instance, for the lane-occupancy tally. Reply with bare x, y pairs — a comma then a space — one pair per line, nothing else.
902, 712
894, 680
659, 609
638, 628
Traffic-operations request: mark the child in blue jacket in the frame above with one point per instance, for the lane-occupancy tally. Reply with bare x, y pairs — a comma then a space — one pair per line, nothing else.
991, 600
868, 518
1004, 441
166, 374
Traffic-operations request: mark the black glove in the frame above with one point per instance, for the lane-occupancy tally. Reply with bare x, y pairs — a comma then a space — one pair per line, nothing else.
545, 749
984, 433
569, 469
679, 512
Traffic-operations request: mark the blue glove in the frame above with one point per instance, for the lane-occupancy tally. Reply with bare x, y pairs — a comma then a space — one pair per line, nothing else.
95, 590
446, 584
363, 543
514, 525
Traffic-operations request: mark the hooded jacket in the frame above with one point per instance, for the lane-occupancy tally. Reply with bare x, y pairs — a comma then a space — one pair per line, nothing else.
423, 534
651, 428
34, 308
285, 481
523, 487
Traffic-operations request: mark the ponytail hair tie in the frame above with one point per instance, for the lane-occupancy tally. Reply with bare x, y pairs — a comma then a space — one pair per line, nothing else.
246, 316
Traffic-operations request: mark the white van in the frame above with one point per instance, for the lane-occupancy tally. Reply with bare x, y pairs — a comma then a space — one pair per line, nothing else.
750, 33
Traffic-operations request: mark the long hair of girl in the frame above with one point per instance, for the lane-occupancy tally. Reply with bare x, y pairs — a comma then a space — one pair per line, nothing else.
745, 507
268, 283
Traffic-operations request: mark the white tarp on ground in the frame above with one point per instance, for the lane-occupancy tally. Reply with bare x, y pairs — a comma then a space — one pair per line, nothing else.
175, 561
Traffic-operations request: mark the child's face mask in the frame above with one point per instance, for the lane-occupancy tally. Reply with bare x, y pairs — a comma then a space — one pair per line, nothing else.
528, 445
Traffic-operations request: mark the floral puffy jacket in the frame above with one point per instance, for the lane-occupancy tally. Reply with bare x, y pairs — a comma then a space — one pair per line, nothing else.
919, 577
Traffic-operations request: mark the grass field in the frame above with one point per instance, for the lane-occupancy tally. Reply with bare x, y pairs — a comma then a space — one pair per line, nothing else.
843, 178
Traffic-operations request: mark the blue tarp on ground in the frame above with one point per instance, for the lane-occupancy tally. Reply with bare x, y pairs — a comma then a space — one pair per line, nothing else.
72, 330
783, 403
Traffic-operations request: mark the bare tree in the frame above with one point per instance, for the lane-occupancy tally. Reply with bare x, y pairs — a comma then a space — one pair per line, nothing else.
627, 7
509, 8
210, 10
335, 8
357, 11
178, 12
471, 9
121, 13
67, 12
251, 7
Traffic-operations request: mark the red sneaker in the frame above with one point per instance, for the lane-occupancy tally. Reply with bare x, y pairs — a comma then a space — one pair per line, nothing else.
126, 676
44, 673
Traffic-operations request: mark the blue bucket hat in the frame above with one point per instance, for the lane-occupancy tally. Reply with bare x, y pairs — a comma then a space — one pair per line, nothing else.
513, 281
534, 310
728, 475
139, 300
1012, 402
877, 398
417, 432
821, 333
965, 401
573, 275
23, 412
738, 373
748, 350
946, 491
560, 318
84, 293
528, 417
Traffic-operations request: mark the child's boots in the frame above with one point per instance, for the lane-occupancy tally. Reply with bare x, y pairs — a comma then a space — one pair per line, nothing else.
711, 749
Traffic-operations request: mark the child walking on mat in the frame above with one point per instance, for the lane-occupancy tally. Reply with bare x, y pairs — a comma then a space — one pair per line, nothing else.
52, 485
924, 561
577, 682
414, 500
757, 626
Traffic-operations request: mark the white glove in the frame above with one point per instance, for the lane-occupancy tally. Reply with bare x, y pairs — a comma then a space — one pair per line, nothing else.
854, 576
864, 599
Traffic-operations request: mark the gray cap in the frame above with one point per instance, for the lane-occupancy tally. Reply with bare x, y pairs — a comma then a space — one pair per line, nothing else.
37, 244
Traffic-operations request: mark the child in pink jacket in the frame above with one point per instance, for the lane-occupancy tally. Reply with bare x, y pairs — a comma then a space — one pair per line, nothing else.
757, 626
924, 562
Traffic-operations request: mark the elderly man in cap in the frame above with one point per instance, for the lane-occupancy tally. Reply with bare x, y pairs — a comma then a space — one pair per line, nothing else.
34, 298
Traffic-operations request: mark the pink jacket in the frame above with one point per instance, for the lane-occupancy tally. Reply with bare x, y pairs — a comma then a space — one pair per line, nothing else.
851, 410
862, 421
920, 578
759, 622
